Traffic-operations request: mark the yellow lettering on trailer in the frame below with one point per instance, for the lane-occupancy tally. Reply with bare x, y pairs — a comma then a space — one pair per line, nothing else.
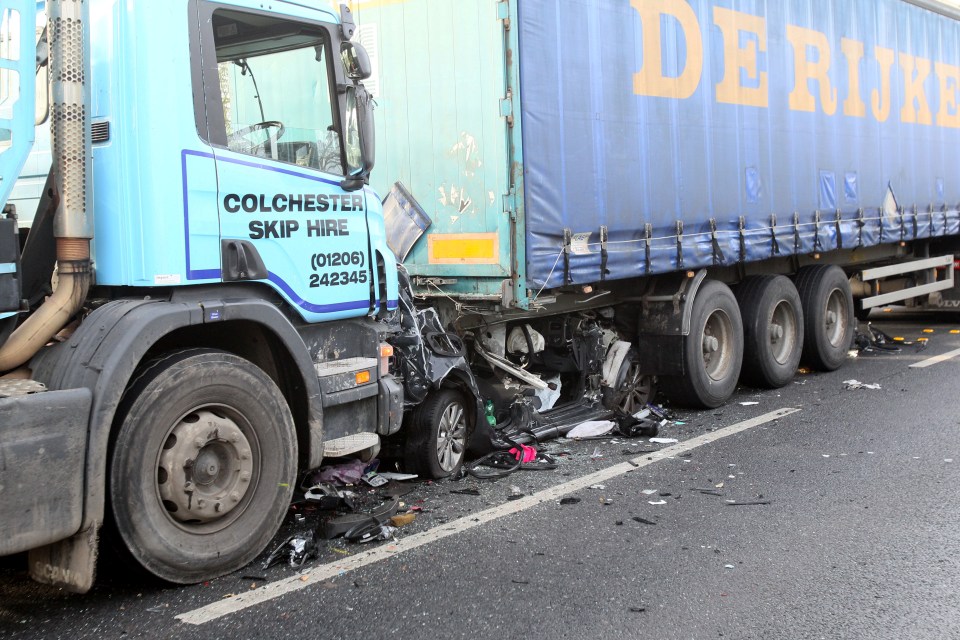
853, 52
737, 58
915, 107
948, 114
880, 98
807, 70
650, 80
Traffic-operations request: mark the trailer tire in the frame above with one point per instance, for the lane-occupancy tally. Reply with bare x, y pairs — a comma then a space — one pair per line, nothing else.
712, 352
203, 466
772, 330
828, 317
437, 435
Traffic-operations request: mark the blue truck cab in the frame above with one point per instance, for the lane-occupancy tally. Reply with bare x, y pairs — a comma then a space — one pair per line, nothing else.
203, 303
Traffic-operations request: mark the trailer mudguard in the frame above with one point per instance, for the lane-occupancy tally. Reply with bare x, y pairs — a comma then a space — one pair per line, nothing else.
664, 321
102, 356
42, 502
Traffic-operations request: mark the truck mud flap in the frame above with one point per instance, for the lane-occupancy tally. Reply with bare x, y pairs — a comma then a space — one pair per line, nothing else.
42, 457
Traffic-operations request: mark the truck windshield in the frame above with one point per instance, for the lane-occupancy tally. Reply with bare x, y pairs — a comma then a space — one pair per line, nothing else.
275, 90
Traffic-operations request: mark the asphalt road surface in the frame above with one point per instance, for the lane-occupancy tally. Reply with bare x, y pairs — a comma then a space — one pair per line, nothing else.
850, 530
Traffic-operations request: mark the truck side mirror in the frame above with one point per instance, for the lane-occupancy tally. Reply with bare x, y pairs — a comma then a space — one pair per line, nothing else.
358, 137
356, 61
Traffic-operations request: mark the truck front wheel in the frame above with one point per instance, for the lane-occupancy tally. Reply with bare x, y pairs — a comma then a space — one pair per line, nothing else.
827, 314
772, 330
712, 352
203, 465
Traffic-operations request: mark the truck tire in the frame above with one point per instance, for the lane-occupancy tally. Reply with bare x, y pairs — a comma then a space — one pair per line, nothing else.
203, 466
827, 316
437, 435
713, 352
772, 330
631, 390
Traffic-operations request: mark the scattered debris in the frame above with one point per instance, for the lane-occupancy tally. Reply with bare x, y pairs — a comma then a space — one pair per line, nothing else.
402, 519
656, 502
746, 503
373, 479
597, 454
500, 464
298, 549
349, 472
643, 520
601, 487
569, 500
342, 525
664, 440
592, 429
749, 403
877, 340
399, 477
728, 566
466, 492
856, 384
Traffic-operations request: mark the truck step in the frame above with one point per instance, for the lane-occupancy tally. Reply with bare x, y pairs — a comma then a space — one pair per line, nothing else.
339, 447
10, 388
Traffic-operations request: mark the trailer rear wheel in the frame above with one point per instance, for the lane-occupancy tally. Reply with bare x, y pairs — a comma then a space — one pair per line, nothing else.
437, 435
713, 352
827, 316
772, 330
203, 465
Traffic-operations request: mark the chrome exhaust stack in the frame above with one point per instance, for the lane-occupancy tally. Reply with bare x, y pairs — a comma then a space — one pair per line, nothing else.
68, 29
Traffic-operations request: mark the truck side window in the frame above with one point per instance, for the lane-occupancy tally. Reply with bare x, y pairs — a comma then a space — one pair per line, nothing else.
275, 85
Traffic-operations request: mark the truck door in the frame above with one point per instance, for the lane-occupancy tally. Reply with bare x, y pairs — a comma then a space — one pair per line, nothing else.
273, 116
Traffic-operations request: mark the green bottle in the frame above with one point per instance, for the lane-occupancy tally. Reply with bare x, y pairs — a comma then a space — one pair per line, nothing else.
488, 409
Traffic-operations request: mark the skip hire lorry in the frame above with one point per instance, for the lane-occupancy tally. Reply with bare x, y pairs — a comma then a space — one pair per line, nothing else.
201, 303
589, 201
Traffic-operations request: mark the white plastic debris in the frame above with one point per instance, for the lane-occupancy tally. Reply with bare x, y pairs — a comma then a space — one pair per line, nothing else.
598, 486
548, 397
749, 403
664, 440
392, 475
648, 492
656, 502
856, 384
728, 566
591, 429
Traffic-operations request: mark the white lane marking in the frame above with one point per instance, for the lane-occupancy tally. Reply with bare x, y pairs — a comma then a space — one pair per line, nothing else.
935, 359
323, 572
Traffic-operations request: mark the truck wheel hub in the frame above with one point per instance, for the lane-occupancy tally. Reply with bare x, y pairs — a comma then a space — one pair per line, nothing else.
205, 467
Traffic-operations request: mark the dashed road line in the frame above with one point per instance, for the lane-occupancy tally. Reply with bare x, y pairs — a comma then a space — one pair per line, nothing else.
935, 359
